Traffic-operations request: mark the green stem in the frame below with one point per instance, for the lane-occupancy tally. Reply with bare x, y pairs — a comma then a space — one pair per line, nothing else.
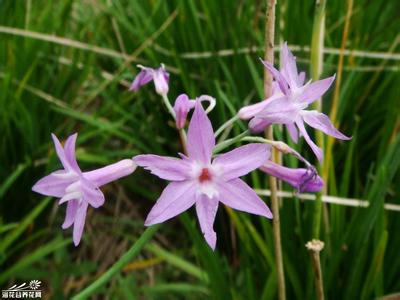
168, 106
317, 45
221, 146
226, 124
122, 262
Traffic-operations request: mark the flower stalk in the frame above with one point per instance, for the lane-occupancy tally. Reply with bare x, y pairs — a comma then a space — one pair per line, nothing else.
269, 57
315, 247
317, 47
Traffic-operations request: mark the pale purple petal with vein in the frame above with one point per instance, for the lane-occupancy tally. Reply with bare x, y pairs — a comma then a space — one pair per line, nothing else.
52, 185
283, 85
168, 168
289, 67
144, 77
258, 125
182, 107
175, 199
280, 111
201, 139
69, 150
315, 90
206, 210
242, 160
72, 207
92, 194
323, 123
292, 130
79, 222
60, 152
238, 195
317, 151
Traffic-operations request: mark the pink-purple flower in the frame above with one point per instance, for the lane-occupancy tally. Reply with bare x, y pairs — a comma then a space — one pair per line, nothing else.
160, 77
79, 189
201, 180
303, 180
288, 104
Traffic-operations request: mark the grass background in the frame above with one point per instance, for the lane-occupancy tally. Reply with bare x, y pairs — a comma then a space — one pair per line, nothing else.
74, 77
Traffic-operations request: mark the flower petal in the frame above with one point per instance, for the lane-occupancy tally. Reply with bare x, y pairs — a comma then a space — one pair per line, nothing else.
250, 111
242, 160
238, 195
292, 130
161, 77
302, 78
111, 172
144, 77
175, 199
52, 185
69, 150
168, 168
280, 111
321, 122
92, 193
289, 69
257, 125
315, 90
79, 222
60, 152
302, 179
201, 139
317, 151
72, 208
283, 84
206, 210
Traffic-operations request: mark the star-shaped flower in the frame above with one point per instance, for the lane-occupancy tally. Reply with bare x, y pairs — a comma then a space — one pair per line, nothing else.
288, 104
201, 180
79, 189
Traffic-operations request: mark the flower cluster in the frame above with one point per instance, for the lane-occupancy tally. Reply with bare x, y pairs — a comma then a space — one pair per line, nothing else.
202, 176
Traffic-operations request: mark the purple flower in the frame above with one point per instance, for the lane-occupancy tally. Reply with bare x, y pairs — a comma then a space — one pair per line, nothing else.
198, 179
304, 180
79, 189
289, 102
183, 105
160, 77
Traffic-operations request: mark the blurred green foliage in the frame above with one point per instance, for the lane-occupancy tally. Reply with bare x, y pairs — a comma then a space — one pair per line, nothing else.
79, 83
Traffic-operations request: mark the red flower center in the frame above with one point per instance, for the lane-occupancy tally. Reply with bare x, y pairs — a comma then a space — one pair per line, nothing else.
205, 175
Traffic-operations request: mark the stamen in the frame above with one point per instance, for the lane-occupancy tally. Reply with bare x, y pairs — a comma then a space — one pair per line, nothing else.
205, 175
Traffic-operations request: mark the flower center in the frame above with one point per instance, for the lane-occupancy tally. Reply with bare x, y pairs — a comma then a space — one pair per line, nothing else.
205, 175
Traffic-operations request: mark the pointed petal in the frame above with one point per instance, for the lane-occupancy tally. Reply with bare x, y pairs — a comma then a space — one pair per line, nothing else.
60, 152
69, 150
283, 84
317, 151
250, 111
302, 179
321, 122
175, 199
201, 139
292, 130
302, 78
206, 210
289, 67
315, 90
79, 222
238, 195
144, 77
52, 185
107, 174
92, 194
72, 208
168, 168
242, 160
